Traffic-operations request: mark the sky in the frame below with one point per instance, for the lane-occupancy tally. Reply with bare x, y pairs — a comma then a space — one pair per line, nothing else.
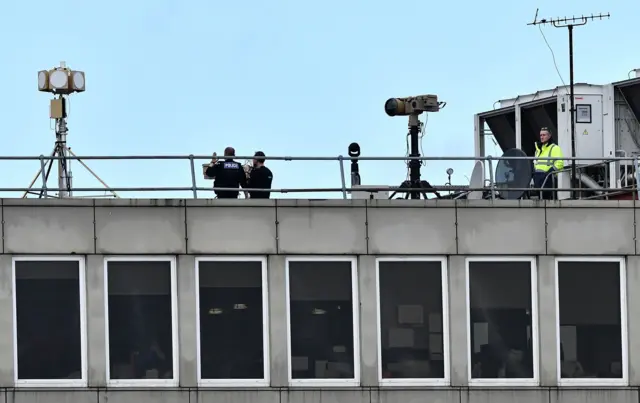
290, 78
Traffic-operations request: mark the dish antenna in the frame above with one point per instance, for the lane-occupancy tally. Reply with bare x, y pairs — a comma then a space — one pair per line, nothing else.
513, 174
476, 181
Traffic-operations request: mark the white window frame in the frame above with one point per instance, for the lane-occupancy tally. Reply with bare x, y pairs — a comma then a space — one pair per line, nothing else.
535, 334
623, 323
264, 382
445, 324
53, 383
133, 383
355, 381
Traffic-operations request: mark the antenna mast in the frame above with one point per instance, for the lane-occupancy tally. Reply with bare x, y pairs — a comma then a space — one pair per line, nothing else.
61, 82
569, 23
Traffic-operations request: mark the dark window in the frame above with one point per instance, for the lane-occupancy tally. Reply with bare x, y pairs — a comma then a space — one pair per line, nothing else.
501, 344
231, 320
411, 327
48, 319
590, 319
321, 315
140, 320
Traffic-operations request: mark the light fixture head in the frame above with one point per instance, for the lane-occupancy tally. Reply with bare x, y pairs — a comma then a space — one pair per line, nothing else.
61, 80
43, 81
77, 80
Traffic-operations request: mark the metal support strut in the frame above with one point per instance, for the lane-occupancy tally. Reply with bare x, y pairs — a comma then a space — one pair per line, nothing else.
415, 185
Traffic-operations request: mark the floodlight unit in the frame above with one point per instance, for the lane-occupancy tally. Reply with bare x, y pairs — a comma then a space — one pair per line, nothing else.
569, 23
61, 82
414, 107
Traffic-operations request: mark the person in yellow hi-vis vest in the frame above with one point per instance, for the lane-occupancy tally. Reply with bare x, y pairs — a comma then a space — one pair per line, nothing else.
544, 167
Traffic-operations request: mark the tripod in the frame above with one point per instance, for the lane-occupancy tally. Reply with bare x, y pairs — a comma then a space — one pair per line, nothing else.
418, 186
64, 170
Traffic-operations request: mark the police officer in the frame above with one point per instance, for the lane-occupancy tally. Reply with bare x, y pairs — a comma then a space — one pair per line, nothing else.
227, 174
260, 177
544, 168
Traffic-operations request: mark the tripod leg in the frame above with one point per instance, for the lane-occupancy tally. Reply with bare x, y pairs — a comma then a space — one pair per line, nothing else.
37, 176
93, 173
427, 185
26, 192
46, 176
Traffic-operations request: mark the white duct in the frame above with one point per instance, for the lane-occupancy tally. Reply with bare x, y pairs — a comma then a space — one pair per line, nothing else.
590, 183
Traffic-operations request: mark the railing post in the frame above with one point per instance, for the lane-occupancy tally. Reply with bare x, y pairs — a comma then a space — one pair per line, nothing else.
491, 178
606, 181
636, 165
344, 183
193, 177
44, 176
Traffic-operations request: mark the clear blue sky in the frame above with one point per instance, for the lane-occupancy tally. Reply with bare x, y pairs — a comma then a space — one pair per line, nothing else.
286, 77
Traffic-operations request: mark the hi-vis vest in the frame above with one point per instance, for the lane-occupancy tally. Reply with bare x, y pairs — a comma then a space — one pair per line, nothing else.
543, 163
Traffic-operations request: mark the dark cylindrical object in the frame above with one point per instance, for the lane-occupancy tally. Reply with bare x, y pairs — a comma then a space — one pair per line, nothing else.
574, 194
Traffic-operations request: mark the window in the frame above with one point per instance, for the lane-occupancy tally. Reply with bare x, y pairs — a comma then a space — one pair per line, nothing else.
502, 321
141, 310
233, 318
413, 325
49, 328
322, 316
592, 321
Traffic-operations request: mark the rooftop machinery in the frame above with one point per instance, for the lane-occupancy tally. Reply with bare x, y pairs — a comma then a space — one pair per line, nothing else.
607, 125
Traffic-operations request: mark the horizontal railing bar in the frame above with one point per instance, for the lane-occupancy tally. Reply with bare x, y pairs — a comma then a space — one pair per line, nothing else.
199, 157
313, 190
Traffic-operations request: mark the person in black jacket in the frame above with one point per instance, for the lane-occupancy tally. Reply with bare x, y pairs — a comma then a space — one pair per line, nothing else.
260, 177
227, 174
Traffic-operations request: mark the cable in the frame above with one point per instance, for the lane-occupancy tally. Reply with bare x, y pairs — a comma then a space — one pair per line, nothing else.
553, 55
407, 155
422, 134
555, 65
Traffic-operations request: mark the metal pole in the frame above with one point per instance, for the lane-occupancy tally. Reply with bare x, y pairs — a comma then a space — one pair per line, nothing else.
492, 181
344, 182
414, 165
193, 177
44, 178
572, 112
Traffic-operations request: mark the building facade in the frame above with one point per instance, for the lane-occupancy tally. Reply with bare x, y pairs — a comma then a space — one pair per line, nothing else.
319, 301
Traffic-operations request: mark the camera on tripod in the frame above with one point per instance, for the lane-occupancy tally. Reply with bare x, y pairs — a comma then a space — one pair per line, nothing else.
411, 105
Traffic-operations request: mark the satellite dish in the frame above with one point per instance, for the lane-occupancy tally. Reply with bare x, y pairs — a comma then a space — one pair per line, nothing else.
513, 174
476, 181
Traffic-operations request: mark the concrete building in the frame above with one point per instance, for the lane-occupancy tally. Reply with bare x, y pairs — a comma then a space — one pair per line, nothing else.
357, 301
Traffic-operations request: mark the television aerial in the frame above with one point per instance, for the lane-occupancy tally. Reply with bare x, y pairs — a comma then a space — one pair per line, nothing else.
476, 182
513, 176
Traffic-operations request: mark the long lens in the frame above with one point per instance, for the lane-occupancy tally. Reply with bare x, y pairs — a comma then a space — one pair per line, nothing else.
394, 107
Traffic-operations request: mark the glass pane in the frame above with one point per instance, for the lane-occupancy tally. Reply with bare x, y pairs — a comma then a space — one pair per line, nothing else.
501, 342
321, 309
48, 320
140, 320
590, 315
231, 320
411, 320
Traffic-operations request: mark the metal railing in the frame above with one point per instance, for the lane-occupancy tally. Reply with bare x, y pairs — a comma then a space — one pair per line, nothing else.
489, 162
